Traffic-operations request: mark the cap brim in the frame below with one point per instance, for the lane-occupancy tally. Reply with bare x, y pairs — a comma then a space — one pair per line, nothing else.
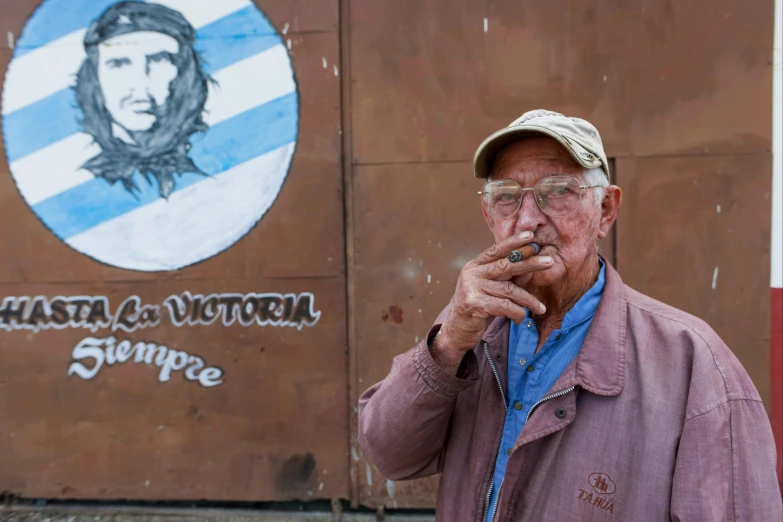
486, 152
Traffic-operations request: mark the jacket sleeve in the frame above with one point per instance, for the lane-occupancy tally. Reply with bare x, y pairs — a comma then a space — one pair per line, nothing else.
404, 419
725, 466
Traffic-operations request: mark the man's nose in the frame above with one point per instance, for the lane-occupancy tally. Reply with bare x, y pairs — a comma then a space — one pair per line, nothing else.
139, 81
529, 216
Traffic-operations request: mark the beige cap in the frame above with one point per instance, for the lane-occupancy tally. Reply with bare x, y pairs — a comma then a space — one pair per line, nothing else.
579, 138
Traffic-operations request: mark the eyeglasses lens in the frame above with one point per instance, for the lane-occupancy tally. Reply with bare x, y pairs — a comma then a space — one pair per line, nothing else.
556, 196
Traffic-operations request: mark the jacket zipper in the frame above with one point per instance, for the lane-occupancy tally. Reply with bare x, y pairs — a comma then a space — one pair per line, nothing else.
497, 377
558, 394
505, 405
489, 496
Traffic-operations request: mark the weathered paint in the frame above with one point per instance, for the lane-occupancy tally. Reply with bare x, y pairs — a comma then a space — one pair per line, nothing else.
178, 401
421, 85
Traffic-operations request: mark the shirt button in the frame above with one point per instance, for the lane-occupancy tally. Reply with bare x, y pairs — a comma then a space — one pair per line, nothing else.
523, 361
560, 413
529, 323
531, 367
518, 406
509, 451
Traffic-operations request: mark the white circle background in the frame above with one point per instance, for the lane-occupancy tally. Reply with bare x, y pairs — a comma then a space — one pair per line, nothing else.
252, 114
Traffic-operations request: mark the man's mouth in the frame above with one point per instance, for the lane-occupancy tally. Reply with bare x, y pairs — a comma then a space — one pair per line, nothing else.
140, 106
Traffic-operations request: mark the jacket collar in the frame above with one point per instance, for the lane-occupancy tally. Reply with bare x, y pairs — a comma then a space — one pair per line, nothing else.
599, 367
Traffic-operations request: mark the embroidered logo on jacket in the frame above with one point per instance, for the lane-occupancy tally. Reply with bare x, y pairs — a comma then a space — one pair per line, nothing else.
602, 485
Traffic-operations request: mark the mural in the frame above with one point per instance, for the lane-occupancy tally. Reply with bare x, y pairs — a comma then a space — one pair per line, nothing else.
36, 313
97, 352
94, 312
149, 136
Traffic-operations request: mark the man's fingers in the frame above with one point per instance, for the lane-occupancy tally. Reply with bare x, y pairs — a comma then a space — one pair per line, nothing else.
500, 307
503, 269
501, 249
515, 294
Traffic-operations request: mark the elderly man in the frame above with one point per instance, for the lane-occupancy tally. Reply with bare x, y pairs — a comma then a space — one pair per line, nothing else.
548, 390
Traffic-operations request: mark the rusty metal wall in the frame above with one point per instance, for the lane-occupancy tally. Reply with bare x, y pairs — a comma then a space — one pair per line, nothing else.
403, 91
275, 427
681, 95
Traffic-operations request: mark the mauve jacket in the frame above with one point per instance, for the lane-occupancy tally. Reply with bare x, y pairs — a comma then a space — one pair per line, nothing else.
655, 419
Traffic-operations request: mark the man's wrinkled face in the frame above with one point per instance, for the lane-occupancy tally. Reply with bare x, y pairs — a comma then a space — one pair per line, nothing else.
569, 240
134, 72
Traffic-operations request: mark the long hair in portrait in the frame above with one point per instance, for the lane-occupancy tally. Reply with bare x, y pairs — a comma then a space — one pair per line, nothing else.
161, 151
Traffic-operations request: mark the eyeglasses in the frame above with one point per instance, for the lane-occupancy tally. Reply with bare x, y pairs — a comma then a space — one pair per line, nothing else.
556, 196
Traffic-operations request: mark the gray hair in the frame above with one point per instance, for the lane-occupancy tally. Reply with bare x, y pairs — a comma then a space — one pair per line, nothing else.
596, 178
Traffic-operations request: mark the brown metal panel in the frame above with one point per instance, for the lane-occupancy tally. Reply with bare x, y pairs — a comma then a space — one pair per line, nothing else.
694, 233
415, 228
354, 390
655, 77
14, 12
302, 16
312, 193
274, 429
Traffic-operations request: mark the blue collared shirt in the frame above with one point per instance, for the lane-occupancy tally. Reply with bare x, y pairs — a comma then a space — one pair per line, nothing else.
531, 374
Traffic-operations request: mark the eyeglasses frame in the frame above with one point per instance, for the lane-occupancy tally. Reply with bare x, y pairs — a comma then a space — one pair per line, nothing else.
538, 202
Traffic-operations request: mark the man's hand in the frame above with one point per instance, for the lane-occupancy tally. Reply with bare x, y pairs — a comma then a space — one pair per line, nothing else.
485, 291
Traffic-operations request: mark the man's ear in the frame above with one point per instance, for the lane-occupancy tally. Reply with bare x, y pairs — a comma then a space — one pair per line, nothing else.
610, 206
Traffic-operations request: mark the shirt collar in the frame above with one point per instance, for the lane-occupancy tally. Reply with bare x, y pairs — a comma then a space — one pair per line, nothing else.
584, 308
600, 365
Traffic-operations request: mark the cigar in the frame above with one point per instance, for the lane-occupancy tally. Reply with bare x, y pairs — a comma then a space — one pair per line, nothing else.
525, 252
